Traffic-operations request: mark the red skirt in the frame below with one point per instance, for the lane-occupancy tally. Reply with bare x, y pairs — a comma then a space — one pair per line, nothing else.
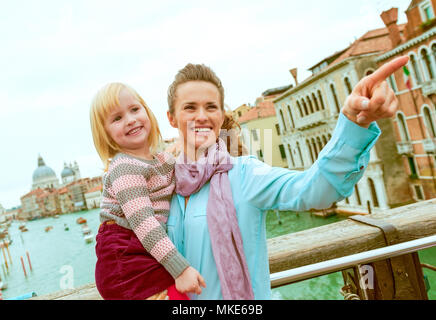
124, 269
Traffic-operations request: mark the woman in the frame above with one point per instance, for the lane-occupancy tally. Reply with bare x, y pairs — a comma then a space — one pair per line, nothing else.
217, 217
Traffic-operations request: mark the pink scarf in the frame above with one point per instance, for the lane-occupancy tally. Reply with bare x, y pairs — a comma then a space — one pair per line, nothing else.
225, 235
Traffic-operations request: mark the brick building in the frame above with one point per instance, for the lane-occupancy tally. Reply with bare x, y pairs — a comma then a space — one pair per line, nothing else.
415, 124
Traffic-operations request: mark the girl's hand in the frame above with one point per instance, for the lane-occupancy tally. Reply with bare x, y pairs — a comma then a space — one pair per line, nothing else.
372, 99
190, 280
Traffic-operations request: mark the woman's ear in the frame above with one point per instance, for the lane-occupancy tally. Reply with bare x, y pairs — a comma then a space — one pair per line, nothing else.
172, 120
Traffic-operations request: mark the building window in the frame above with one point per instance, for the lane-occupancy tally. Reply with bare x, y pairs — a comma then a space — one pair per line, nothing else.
356, 191
309, 147
321, 101
426, 10
239, 114
433, 49
300, 110
426, 59
392, 83
254, 134
306, 112
309, 103
260, 154
282, 151
291, 117
412, 167
415, 68
402, 127
335, 97
299, 153
291, 155
418, 192
429, 122
315, 100
278, 128
373, 192
283, 120
348, 85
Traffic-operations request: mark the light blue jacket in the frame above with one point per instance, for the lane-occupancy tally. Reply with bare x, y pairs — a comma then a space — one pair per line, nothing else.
257, 187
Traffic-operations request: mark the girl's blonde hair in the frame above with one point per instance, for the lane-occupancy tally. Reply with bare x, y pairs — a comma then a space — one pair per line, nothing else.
103, 103
201, 72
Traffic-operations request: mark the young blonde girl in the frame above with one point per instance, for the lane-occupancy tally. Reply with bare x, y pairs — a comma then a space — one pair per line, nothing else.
135, 257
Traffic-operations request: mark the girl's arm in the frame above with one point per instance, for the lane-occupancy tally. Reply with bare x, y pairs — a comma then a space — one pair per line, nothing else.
331, 178
128, 186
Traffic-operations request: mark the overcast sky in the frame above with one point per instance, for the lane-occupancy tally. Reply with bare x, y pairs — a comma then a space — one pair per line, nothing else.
56, 54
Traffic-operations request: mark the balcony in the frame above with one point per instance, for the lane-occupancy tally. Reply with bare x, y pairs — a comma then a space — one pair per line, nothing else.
405, 147
312, 120
429, 145
428, 88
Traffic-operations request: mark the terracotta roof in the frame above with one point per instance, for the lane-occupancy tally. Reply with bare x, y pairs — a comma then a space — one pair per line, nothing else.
376, 40
63, 190
36, 192
264, 109
97, 188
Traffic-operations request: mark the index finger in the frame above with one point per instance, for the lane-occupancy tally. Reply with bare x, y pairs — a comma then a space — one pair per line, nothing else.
386, 70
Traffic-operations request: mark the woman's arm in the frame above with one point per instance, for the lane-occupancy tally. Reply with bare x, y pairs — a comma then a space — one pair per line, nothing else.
331, 178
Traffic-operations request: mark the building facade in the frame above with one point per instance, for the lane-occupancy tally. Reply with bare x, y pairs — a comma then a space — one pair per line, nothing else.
308, 113
415, 121
260, 130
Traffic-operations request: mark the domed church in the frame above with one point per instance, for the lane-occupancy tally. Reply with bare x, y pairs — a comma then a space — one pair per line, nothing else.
70, 173
44, 176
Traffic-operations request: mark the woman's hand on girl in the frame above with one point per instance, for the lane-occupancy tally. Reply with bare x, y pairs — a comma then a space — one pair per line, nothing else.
190, 280
372, 98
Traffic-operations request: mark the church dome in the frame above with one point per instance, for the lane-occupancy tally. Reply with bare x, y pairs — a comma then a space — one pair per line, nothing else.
67, 172
43, 176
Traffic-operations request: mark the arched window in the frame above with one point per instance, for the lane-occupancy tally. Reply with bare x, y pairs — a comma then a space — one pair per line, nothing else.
433, 49
315, 149
324, 140
300, 110
291, 155
402, 127
305, 107
416, 69
309, 147
335, 97
315, 100
291, 117
318, 140
356, 191
426, 60
429, 122
373, 192
299, 153
283, 120
348, 85
321, 100
309, 103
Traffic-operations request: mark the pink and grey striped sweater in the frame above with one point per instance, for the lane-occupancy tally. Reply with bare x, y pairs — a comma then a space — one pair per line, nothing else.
137, 196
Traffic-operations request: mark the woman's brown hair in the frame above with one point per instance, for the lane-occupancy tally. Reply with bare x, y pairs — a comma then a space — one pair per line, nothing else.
201, 72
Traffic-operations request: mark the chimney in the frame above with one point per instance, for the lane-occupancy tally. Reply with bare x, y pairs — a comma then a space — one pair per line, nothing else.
294, 74
390, 18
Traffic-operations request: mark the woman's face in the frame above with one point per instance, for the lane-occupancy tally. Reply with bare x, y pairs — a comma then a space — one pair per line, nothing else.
198, 114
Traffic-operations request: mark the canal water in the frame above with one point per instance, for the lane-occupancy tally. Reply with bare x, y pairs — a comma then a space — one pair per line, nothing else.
61, 259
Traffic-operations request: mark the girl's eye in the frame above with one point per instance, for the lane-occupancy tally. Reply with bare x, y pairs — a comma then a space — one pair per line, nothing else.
117, 118
134, 109
212, 106
189, 107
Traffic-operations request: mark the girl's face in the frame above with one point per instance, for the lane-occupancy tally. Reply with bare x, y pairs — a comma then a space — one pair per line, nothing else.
128, 125
198, 114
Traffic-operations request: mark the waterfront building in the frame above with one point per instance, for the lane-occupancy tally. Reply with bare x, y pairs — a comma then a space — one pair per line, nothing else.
2, 214
30, 206
308, 112
260, 130
415, 123
240, 111
93, 197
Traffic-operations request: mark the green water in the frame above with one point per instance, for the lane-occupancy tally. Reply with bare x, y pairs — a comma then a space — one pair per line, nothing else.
325, 287
52, 251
